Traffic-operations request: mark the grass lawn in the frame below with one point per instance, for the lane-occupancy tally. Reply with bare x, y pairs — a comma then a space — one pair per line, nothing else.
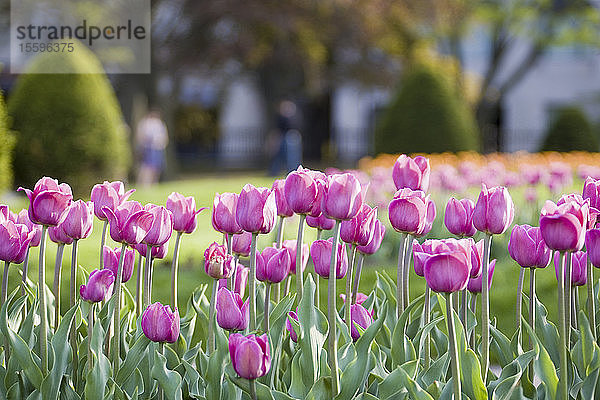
192, 273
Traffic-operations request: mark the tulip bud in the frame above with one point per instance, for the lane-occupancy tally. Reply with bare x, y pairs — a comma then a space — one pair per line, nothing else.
184, 212
300, 191
232, 312
240, 244
411, 212
283, 209
108, 194
578, 267
273, 265
79, 219
99, 286
48, 201
250, 355
459, 217
375, 242
290, 327
256, 210
320, 252
111, 261
494, 211
474, 285
291, 246
360, 316
411, 173
343, 198
217, 263
160, 324
360, 229
528, 248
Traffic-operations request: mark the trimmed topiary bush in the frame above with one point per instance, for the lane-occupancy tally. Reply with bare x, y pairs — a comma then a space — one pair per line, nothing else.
7, 142
426, 116
570, 131
69, 126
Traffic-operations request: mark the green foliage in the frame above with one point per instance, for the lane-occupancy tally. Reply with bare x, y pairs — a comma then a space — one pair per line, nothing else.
70, 125
6, 148
426, 115
570, 131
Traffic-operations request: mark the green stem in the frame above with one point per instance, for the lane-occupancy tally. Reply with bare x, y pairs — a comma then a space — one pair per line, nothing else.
56, 285
317, 277
174, 269
531, 315
567, 287
299, 272
400, 275
138, 287
427, 318
361, 259
236, 259
519, 305
405, 282
331, 313
485, 309
102, 243
452, 347
267, 304
146, 285
252, 389
116, 348
231, 279
5, 282
473, 306
90, 332
562, 331
43, 311
280, 226
211, 317
591, 303
24, 280
252, 282
286, 285
72, 299
161, 351
575, 304
347, 316
463, 309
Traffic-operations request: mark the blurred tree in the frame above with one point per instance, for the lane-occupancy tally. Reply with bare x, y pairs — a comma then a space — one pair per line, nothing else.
571, 130
7, 142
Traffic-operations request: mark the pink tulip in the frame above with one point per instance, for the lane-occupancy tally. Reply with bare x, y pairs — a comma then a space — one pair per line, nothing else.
591, 191
458, 217
422, 252
291, 246
14, 241
411, 212
375, 243
48, 201
283, 209
232, 312
563, 227
161, 229
157, 252
474, 285
494, 211
320, 252
320, 222
344, 197
321, 182
528, 248
7, 215
240, 244
290, 327
111, 261
57, 234
99, 286
360, 297
360, 316
360, 229
300, 191
217, 263
79, 219
23, 218
411, 173
129, 223
592, 246
108, 194
273, 265
250, 355
578, 267
447, 272
256, 210
241, 280
160, 324
223, 213
184, 212
592, 213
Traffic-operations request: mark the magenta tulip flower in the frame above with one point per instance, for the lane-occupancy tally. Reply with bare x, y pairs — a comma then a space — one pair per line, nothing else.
99, 286
58, 235
528, 248
322, 186
563, 226
23, 218
7, 215
411, 212
160, 324
459, 217
111, 261
79, 219
578, 267
494, 211
290, 246
320, 222
411, 173
240, 244
184, 212
162, 225
375, 242
14, 241
250, 355
108, 194
157, 252
283, 209
273, 265
48, 201
320, 252
300, 191
232, 312
241, 280
429, 248
474, 285
217, 263
344, 197
447, 272
360, 316
290, 327
360, 297
360, 229
223, 213
591, 192
256, 209
592, 246
129, 223
592, 213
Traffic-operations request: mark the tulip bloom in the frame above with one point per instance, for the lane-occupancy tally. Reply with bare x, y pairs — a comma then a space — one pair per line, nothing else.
111, 261
360, 297
592, 246
79, 219
429, 248
375, 242
360, 316
7, 215
160, 324
344, 197
447, 272
273, 265
250, 355
23, 218
223, 214
291, 246
474, 285
458, 217
240, 244
108, 194
360, 229
232, 312
58, 235
411, 212
217, 263
156, 252
563, 226
320, 252
99, 286
48, 201
411, 173
591, 192
578, 265
283, 209
300, 191
256, 210
184, 212
528, 248
14, 241
320, 222
290, 327
241, 280
161, 229
494, 211
129, 223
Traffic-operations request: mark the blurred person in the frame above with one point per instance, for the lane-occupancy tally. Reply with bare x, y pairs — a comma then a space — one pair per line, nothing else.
151, 140
288, 142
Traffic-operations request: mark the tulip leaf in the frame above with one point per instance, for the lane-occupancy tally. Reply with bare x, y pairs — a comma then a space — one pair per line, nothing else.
400, 380
61, 352
503, 387
192, 379
586, 352
263, 392
402, 348
277, 328
436, 370
216, 364
543, 366
500, 347
547, 333
169, 381
132, 360
321, 390
97, 377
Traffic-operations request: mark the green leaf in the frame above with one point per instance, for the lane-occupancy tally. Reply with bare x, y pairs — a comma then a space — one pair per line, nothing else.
543, 366
436, 371
132, 360
321, 390
503, 387
415, 391
97, 377
500, 347
547, 333
263, 392
169, 381
402, 348
216, 365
